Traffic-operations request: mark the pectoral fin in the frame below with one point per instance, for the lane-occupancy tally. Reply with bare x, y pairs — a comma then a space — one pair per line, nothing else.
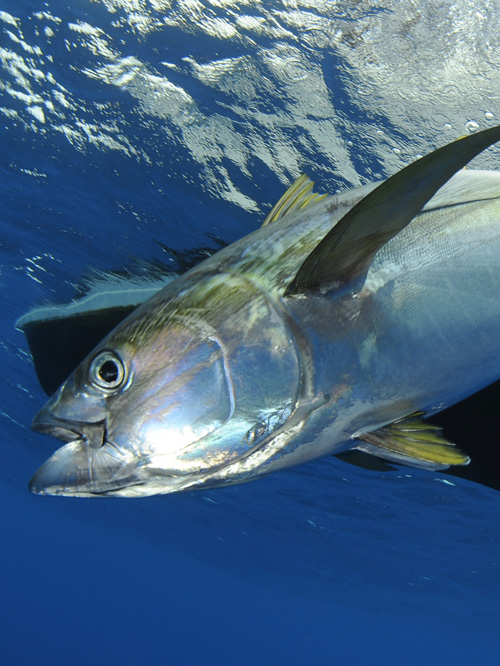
412, 441
345, 254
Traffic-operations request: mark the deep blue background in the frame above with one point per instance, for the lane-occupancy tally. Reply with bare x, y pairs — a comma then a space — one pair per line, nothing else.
324, 564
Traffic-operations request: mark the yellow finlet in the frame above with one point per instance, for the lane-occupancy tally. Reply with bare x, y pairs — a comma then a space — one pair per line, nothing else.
299, 195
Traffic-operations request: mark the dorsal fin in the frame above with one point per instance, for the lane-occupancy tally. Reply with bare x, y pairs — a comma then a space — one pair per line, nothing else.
346, 252
298, 195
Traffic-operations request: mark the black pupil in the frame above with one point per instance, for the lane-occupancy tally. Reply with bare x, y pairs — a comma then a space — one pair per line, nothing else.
108, 372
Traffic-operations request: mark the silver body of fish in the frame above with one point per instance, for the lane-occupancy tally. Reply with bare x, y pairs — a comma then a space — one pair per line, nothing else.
339, 324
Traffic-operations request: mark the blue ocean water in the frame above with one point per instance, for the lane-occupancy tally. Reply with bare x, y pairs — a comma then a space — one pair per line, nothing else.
129, 123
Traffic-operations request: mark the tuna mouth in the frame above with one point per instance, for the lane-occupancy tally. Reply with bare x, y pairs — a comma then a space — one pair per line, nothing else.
61, 432
93, 434
86, 466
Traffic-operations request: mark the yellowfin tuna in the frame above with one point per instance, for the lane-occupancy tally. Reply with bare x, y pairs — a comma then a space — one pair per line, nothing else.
340, 324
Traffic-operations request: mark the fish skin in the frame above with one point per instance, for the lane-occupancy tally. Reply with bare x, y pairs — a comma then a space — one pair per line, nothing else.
227, 380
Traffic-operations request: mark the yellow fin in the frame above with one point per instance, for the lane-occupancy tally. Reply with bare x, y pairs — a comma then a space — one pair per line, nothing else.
298, 195
413, 441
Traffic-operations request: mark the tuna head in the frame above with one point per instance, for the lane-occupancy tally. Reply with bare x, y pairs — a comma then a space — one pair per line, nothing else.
181, 395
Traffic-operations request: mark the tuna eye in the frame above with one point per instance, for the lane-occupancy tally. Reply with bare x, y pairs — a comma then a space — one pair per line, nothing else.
107, 370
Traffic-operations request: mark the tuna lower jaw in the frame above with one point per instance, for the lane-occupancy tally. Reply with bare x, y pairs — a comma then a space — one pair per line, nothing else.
79, 470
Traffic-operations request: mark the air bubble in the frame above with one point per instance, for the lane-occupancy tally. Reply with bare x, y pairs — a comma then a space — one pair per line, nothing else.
365, 89
450, 93
316, 37
489, 116
294, 70
471, 126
